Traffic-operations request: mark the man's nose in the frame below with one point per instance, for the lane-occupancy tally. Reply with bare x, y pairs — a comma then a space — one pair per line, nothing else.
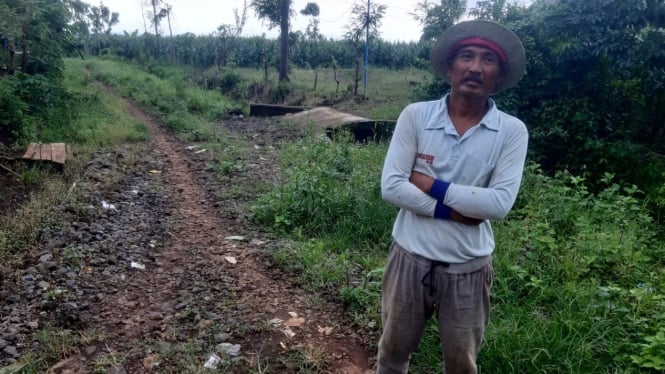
476, 64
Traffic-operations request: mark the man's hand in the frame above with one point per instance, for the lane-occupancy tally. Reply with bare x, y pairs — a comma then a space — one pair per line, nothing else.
422, 181
458, 217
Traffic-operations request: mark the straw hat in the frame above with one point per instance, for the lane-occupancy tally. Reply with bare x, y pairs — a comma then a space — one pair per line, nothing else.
490, 32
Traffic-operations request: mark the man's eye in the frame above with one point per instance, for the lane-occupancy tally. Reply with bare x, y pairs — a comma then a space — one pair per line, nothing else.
490, 59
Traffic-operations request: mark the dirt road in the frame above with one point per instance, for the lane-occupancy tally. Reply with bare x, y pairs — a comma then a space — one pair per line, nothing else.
160, 262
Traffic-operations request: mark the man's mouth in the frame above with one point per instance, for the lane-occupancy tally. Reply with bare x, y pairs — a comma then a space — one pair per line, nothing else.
473, 80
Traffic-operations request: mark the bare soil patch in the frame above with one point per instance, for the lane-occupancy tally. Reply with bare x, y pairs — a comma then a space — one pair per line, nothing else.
158, 257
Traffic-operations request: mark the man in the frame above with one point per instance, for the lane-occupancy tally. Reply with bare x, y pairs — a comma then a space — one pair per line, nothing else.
452, 166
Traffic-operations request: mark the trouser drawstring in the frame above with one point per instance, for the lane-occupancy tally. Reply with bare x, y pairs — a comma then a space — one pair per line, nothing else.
430, 274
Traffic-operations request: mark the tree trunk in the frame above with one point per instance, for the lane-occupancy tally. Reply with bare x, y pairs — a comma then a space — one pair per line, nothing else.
86, 44
265, 69
156, 22
284, 41
336, 80
11, 68
173, 51
357, 77
24, 55
145, 25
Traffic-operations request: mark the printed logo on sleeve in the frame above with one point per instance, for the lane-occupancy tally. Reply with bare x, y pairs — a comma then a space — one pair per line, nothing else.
429, 159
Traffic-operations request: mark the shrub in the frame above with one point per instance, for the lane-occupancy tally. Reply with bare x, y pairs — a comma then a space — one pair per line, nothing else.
13, 109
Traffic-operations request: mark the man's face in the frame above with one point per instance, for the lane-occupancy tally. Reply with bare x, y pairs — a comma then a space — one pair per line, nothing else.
474, 71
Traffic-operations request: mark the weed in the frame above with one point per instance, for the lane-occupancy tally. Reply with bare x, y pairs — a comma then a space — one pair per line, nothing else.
56, 344
73, 257
306, 359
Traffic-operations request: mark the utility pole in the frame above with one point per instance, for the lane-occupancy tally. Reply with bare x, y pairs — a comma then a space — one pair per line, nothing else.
366, 52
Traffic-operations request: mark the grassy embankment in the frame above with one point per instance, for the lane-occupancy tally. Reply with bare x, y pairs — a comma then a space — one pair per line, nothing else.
83, 117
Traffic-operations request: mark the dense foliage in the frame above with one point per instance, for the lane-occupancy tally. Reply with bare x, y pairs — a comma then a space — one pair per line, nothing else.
34, 36
594, 94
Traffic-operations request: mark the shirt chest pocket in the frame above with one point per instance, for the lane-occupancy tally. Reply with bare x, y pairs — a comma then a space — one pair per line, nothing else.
472, 171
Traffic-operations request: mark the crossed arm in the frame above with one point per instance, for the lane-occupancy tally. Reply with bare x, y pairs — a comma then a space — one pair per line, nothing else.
421, 194
425, 182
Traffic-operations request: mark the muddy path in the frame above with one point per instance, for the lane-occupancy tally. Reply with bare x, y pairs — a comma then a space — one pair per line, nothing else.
169, 271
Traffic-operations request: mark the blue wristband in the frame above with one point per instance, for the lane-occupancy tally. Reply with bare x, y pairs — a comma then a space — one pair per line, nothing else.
441, 210
439, 189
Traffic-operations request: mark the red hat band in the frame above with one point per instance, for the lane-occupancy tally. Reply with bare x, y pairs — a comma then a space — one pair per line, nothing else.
481, 42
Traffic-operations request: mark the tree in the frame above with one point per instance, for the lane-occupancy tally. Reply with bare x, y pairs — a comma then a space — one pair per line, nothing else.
227, 35
595, 89
80, 28
361, 20
102, 19
437, 17
277, 12
493, 10
38, 30
312, 10
166, 12
155, 19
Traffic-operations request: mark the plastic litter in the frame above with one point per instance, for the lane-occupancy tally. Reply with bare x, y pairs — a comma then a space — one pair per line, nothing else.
325, 330
229, 349
212, 362
235, 237
288, 332
137, 265
295, 322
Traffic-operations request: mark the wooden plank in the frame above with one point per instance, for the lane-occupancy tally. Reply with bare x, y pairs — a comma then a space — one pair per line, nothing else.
55, 152
45, 153
30, 152
58, 153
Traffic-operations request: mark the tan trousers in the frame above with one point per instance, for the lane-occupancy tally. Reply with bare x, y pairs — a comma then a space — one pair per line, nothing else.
414, 289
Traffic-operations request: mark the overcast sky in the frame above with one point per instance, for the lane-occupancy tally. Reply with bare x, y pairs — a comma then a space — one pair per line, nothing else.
202, 17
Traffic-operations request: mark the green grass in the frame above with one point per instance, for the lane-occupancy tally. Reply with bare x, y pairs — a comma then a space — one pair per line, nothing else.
388, 91
184, 108
103, 119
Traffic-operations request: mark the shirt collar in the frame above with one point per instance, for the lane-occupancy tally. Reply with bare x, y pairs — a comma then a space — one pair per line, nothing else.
491, 120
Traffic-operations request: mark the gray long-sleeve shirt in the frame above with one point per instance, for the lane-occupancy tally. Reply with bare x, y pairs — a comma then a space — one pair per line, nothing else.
484, 167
